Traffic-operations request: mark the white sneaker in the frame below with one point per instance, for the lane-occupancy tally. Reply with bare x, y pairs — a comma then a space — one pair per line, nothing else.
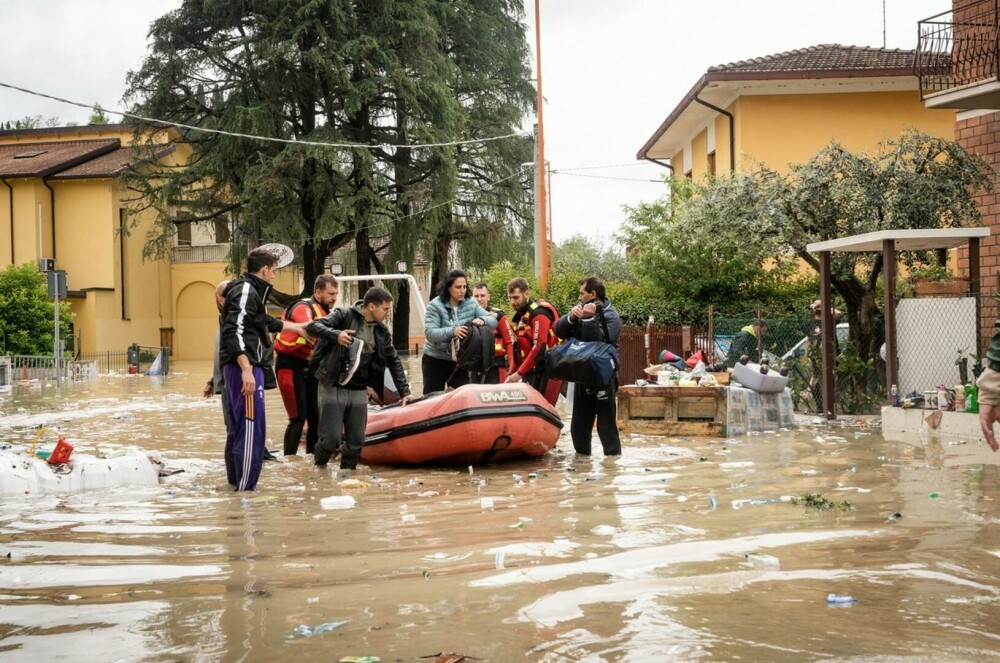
351, 361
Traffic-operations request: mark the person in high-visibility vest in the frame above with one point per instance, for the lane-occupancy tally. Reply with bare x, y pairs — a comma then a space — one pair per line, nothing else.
503, 339
296, 383
534, 329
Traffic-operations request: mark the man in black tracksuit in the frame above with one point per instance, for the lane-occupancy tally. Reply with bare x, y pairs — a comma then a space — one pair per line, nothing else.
343, 395
583, 323
245, 355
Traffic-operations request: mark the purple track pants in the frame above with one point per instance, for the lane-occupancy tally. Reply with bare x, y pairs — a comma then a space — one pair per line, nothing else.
249, 429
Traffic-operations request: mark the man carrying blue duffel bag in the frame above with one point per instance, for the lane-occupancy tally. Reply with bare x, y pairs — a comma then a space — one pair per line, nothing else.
595, 322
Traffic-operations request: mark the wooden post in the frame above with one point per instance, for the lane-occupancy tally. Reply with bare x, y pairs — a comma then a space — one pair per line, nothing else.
889, 310
760, 338
711, 333
976, 290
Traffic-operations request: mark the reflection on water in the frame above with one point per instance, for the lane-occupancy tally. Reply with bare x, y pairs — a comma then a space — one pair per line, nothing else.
638, 558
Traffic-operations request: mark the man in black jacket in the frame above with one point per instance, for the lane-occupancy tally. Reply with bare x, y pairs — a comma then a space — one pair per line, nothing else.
349, 361
584, 323
245, 356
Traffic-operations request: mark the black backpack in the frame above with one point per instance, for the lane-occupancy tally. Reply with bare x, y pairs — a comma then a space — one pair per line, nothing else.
475, 351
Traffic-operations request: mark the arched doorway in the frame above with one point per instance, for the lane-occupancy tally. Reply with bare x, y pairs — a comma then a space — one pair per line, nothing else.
196, 322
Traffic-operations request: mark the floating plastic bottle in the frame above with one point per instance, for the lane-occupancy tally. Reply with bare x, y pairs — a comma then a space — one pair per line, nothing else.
942, 398
840, 599
959, 398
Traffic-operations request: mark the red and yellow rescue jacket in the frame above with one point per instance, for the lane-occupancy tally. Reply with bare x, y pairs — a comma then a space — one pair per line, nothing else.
503, 340
534, 327
290, 343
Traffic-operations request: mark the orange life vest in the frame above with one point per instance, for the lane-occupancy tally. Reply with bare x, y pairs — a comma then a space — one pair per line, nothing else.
498, 349
289, 342
525, 341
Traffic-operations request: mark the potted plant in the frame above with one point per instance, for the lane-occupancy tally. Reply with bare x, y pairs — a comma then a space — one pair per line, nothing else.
936, 280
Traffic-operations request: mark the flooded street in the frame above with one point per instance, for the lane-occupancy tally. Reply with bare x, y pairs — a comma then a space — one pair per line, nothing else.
638, 558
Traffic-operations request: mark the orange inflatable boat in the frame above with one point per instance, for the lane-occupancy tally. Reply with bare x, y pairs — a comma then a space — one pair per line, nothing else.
476, 424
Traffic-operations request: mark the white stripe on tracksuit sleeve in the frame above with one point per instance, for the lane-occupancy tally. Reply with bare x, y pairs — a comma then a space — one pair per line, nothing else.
240, 318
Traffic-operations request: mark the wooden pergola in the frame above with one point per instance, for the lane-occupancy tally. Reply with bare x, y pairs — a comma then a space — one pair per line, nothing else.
888, 242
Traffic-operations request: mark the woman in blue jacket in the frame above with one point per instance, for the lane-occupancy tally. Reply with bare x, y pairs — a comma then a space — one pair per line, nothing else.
448, 318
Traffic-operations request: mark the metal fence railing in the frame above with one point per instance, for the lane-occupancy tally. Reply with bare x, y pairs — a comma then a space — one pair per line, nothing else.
940, 340
200, 253
937, 342
681, 340
33, 367
85, 365
958, 47
789, 342
108, 361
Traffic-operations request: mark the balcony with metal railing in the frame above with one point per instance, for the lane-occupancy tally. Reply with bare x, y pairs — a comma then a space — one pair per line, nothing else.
958, 56
200, 253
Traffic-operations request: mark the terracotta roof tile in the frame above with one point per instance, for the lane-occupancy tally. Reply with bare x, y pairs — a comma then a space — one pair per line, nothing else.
50, 131
112, 163
824, 57
43, 159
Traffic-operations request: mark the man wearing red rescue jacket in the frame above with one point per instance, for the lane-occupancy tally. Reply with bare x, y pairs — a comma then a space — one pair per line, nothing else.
534, 323
296, 383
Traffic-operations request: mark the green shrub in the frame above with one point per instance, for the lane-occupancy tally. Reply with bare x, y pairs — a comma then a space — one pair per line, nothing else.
26, 323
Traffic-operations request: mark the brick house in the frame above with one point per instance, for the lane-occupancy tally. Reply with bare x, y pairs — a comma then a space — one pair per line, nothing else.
958, 66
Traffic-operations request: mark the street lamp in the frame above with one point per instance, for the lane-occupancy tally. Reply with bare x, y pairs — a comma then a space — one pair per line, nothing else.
336, 268
402, 266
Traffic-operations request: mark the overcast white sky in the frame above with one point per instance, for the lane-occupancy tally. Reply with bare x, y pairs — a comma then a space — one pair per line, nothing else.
612, 71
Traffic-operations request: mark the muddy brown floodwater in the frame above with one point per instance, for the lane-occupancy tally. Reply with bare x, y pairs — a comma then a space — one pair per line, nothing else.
637, 558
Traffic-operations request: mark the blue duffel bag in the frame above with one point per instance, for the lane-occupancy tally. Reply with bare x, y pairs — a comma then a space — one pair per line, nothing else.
592, 363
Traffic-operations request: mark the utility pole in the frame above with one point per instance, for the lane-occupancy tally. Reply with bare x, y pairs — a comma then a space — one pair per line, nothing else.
57, 288
541, 210
549, 244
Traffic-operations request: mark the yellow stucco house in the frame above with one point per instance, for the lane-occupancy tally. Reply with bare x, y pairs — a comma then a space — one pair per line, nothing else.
782, 109
61, 199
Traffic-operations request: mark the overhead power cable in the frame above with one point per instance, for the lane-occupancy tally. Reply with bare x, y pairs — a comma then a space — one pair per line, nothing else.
610, 165
453, 200
270, 139
605, 177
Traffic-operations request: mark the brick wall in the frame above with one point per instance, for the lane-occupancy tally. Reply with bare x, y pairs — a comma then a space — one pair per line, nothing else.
982, 135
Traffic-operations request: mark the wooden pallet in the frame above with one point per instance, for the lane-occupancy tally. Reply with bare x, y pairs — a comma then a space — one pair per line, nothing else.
672, 410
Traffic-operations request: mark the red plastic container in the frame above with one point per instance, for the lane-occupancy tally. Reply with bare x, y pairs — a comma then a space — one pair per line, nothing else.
62, 452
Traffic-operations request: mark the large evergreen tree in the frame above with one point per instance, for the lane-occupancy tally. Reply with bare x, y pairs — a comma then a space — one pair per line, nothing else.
377, 73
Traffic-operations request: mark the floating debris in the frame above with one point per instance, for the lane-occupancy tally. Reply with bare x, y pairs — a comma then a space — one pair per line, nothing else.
337, 502
820, 503
760, 559
840, 599
309, 631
